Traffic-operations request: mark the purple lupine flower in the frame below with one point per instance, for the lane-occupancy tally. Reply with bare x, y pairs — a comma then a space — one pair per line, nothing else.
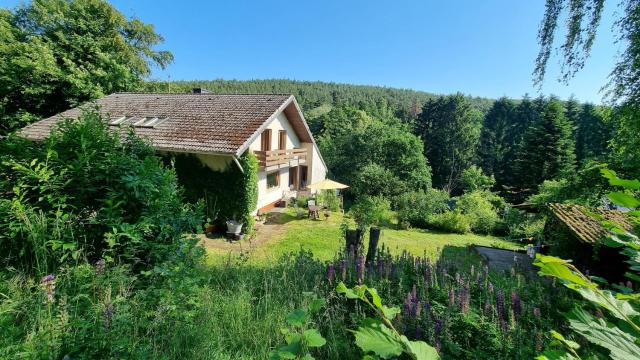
500, 309
108, 315
536, 312
452, 297
414, 293
539, 345
488, 308
360, 269
458, 278
490, 287
407, 306
516, 304
417, 310
437, 328
394, 269
419, 332
478, 279
331, 273
472, 271
426, 308
379, 266
100, 267
343, 269
464, 302
48, 284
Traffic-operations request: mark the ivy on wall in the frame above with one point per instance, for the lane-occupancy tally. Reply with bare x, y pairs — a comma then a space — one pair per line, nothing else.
228, 194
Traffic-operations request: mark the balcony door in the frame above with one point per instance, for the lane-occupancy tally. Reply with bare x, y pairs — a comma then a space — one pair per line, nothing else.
282, 140
294, 184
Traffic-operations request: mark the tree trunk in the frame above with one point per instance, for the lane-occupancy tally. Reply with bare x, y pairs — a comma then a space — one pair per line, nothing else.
374, 236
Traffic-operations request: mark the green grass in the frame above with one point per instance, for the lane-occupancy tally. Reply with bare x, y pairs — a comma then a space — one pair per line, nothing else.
324, 239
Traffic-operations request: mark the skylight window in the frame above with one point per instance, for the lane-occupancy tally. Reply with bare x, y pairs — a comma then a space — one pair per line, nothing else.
118, 121
148, 121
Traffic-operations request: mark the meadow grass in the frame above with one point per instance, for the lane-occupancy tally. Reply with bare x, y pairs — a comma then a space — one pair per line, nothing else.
324, 239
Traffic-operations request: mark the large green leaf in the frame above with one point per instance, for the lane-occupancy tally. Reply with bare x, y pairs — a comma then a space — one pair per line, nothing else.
343, 289
313, 338
600, 332
297, 317
621, 309
373, 336
419, 350
623, 199
614, 180
556, 267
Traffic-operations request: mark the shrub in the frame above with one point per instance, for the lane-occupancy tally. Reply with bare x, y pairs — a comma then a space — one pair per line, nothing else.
370, 210
479, 210
450, 221
330, 199
473, 179
520, 224
88, 193
415, 208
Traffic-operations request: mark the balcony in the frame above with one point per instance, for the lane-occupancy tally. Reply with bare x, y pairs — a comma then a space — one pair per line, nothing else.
281, 158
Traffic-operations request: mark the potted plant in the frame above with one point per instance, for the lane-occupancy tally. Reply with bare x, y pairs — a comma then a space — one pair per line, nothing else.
209, 227
212, 214
234, 227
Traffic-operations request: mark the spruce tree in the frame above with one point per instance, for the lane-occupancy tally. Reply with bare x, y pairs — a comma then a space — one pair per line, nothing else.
495, 141
547, 149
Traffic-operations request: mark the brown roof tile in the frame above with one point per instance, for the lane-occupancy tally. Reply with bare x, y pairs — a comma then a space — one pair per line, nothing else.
208, 123
584, 222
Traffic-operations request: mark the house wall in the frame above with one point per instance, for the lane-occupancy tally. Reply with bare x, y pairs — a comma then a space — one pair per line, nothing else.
267, 196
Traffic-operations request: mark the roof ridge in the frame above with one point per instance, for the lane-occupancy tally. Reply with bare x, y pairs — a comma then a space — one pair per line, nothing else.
189, 93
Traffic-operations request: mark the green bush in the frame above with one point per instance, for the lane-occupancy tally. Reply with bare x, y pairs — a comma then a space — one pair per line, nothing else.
371, 211
473, 179
478, 209
87, 193
415, 208
520, 224
329, 198
451, 221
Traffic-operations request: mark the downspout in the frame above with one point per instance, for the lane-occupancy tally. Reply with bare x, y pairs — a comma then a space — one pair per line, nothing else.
235, 159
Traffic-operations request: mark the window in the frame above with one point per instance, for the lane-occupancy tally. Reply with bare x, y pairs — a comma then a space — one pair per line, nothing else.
266, 140
148, 121
120, 120
273, 179
282, 140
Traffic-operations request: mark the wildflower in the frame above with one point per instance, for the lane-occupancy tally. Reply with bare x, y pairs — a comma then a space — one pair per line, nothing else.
394, 269
490, 288
538, 342
452, 297
407, 306
419, 332
414, 293
473, 270
360, 268
379, 265
426, 307
536, 312
417, 309
500, 309
458, 278
100, 267
108, 315
331, 273
48, 284
464, 302
516, 304
343, 269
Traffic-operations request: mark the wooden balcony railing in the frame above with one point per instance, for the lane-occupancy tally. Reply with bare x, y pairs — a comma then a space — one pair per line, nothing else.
279, 157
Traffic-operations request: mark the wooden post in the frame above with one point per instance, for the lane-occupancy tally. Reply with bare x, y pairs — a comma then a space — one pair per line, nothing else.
374, 236
353, 240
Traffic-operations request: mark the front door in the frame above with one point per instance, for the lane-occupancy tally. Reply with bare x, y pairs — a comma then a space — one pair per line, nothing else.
303, 177
293, 178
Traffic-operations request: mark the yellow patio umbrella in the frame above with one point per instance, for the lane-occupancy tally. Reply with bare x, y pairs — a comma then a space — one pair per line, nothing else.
327, 184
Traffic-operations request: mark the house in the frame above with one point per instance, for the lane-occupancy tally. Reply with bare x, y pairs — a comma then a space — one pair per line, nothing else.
218, 129
576, 232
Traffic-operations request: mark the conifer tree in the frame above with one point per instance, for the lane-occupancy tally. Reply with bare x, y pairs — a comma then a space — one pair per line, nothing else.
547, 150
495, 141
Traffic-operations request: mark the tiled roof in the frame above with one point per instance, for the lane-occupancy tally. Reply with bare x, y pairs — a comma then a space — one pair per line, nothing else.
205, 123
584, 222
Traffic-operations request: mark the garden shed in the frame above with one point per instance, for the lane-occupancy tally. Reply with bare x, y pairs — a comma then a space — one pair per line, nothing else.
577, 232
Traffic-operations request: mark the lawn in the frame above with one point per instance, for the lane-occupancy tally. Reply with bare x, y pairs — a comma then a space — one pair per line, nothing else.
324, 238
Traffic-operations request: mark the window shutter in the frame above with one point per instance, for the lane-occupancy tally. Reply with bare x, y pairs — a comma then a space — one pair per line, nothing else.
266, 140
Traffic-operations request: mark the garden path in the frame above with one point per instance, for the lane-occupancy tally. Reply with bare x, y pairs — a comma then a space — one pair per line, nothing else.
503, 260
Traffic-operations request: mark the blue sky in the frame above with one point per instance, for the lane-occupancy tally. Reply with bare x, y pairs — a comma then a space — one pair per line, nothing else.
482, 48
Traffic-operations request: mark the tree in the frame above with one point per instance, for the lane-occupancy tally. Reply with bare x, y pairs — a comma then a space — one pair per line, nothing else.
377, 157
547, 149
55, 54
495, 140
592, 133
450, 129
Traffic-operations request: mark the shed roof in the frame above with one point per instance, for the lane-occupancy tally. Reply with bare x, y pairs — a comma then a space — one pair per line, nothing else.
199, 123
584, 223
